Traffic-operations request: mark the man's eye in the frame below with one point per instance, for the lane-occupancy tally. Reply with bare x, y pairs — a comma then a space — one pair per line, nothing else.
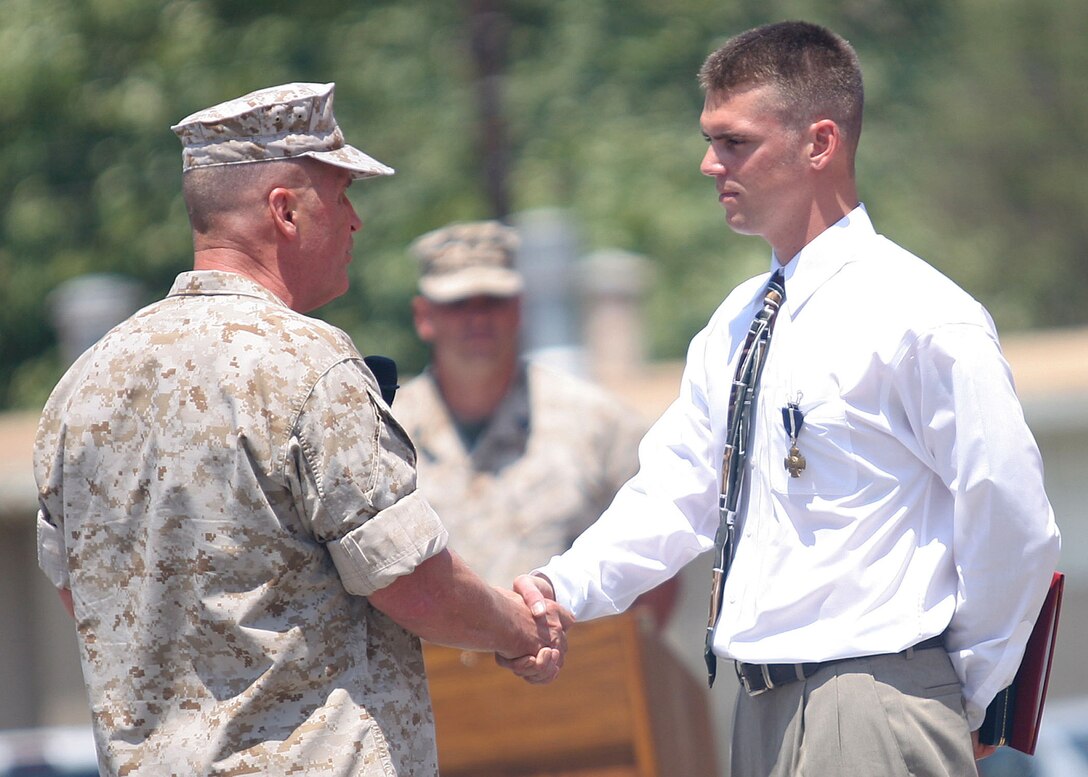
727, 142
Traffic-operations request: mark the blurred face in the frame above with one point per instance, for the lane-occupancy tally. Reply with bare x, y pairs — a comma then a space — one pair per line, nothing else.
758, 164
327, 225
478, 330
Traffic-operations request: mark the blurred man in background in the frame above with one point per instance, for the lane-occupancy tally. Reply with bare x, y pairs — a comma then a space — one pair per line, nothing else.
517, 458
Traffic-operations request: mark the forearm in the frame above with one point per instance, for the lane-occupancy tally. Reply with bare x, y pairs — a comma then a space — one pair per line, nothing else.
445, 602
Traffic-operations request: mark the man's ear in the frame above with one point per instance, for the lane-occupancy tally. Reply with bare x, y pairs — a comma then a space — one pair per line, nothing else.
421, 317
826, 143
283, 207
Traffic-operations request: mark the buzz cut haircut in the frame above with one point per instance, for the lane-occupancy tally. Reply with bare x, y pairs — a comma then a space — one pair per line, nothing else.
814, 71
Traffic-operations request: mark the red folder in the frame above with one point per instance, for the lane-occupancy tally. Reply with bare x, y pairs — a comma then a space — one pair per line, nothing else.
1013, 717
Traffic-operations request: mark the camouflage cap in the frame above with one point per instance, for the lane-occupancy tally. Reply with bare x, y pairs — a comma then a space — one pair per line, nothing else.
467, 260
280, 122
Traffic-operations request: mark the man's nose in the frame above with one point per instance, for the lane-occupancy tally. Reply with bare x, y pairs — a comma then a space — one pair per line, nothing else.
479, 308
712, 163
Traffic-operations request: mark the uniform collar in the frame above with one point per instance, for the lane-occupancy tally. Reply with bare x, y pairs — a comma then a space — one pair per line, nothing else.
829, 252
196, 283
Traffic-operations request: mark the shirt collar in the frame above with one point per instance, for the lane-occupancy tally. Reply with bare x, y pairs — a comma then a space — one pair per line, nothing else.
829, 252
214, 282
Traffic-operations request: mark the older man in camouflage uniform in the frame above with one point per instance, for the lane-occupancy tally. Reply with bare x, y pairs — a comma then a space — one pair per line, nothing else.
231, 505
517, 458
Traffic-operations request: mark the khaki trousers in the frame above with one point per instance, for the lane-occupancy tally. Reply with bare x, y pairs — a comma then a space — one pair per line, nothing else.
881, 716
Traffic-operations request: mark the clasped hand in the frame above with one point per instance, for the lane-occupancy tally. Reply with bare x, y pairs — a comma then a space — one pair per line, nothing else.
552, 621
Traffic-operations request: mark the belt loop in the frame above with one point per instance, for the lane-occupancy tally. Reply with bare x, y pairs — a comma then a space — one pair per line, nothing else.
909, 652
766, 676
742, 677
800, 670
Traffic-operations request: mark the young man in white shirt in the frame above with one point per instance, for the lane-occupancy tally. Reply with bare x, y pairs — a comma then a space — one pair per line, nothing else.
882, 594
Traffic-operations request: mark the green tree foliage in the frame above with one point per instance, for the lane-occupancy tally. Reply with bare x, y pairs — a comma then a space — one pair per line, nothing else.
1003, 193
974, 139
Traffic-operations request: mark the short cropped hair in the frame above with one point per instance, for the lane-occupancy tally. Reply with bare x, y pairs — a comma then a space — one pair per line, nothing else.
815, 72
216, 192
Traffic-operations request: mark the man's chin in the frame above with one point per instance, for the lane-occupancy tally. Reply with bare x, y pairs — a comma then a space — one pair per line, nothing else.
738, 225
482, 355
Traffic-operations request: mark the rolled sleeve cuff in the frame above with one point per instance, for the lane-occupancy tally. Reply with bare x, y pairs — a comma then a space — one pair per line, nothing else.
51, 557
391, 544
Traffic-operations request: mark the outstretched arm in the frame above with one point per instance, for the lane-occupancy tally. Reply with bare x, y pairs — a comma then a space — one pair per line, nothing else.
445, 602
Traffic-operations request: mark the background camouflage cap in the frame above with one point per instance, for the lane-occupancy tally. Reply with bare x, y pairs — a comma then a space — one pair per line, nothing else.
467, 260
279, 122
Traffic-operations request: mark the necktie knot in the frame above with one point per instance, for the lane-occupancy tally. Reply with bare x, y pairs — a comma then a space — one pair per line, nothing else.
776, 289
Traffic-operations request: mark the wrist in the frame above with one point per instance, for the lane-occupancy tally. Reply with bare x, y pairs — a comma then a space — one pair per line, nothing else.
547, 589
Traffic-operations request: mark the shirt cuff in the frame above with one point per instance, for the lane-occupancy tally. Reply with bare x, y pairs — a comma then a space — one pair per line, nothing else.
51, 556
585, 601
389, 545
1000, 675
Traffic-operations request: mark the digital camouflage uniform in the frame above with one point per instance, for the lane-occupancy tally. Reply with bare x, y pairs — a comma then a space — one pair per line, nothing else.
545, 467
221, 487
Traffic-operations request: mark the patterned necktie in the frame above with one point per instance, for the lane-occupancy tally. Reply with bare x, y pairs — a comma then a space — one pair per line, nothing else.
741, 406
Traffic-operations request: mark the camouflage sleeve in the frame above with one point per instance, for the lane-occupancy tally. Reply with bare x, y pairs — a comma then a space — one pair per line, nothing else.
358, 482
51, 557
610, 451
623, 451
48, 474
620, 450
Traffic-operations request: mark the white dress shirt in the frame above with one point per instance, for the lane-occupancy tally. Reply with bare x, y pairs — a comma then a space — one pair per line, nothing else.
921, 510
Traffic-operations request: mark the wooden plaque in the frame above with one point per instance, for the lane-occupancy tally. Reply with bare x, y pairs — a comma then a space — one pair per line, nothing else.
623, 706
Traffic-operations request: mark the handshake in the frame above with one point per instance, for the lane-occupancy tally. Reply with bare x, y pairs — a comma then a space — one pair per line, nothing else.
545, 629
445, 602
